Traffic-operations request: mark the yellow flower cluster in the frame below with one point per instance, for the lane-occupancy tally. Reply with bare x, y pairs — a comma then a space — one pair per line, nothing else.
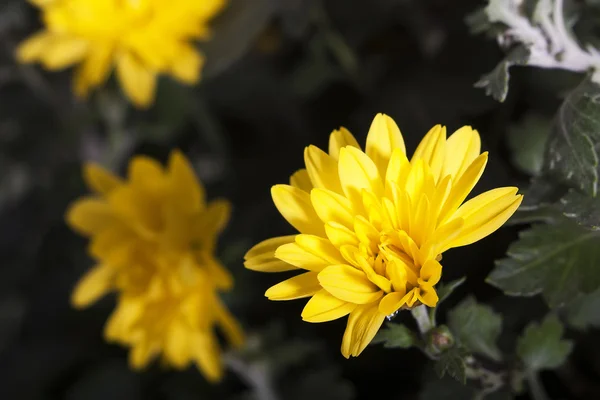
140, 38
154, 238
373, 224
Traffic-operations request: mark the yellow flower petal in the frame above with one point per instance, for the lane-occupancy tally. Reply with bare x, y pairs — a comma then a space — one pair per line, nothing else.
231, 328
363, 324
349, 284
220, 275
301, 180
95, 284
94, 70
480, 202
384, 136
324, 307
142, 353
341, 138
295, 206
177, 344
322, 169
431, 272
188, 64
214, 219
303, 285
269, 246
320, 247
185, 189
90, 216
100, 180
428, 296
392, 302
207, 354
146, 174
310, 258
33, 48
441, 239
432, 150
261, 257
486, 221
462, 148
340, 236
461, 189
332, 207
357, 172
137, 80
396, 270
63, 51
268, 263
398, 168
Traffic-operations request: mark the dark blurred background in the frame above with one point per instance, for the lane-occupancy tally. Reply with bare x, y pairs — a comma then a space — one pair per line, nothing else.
280, 75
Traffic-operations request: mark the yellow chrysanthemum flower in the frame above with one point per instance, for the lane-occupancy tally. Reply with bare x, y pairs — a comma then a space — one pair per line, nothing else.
154, 237
141, 38
373, 225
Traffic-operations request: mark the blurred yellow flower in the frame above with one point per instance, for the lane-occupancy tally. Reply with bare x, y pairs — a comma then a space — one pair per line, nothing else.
154, 238
374, 224
140, 38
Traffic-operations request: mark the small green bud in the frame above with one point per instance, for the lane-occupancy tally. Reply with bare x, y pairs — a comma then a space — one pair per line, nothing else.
439, 339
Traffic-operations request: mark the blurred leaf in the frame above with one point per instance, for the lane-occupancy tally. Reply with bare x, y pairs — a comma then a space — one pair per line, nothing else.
478, 22
452, 363
477, 327
495, 83
582, 209
316, 71
527, 142
541, 347
583, 312
557, 260
234, 33
295, 16
396, 335
572, 156
444, 290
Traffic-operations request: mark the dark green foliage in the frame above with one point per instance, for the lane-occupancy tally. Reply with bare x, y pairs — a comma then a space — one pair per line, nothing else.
453, 364
477, 327
396, 336
541, 346
558, 260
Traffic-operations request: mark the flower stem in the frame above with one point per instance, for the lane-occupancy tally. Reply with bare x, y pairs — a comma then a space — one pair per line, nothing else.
535, 386
255, 376
421, 315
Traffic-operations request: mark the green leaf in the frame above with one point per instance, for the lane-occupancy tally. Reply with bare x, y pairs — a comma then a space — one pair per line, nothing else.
235, 31
495, 83
452, 363
477, 327
572, 155
444, 290
541, 346
527, 142
396, 335
582, 313
583, 210
558, 260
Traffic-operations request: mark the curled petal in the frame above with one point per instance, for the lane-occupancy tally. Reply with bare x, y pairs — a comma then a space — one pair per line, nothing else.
363, 324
